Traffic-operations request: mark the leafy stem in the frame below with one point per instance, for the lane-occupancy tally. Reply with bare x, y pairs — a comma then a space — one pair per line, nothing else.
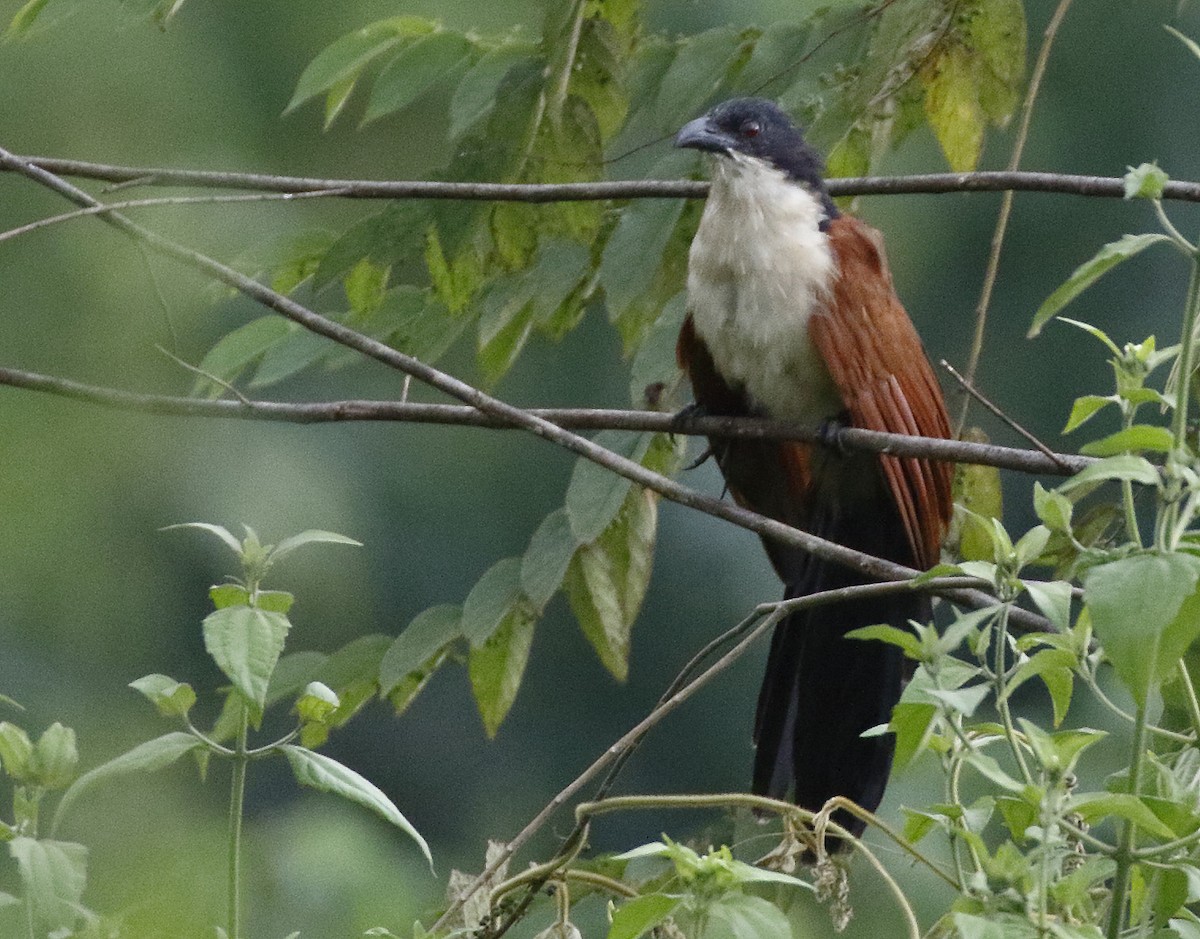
1126, 855
237, 799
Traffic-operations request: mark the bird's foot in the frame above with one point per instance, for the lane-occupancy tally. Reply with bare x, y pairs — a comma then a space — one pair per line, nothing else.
684, 415
830, 434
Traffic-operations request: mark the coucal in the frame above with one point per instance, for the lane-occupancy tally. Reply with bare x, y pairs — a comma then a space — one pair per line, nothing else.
792, 315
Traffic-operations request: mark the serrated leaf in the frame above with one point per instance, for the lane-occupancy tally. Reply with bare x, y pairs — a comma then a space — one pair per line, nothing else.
1089, 272
475, 95
491, 600
348, 55
497, 666
1138, 438
53, 874
245, 643
327, 775
1145, 612
147, 757
741, 916
429, 631
414, 70
638, 916
544, 564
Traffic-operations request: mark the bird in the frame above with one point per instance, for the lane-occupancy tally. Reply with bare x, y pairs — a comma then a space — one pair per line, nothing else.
792, 315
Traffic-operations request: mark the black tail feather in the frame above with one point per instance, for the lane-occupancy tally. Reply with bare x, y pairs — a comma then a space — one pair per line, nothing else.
822, 690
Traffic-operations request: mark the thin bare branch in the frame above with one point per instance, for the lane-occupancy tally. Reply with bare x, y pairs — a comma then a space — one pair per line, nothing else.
993, 265
167, 200
927, 183
320, 412
758, 622
979, 396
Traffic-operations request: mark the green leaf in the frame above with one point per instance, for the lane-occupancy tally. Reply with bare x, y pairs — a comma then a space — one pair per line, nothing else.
1089, 272
497, 666
327, 775
1086, 407
1094, 806
1138, 438
654, 367
504, 328
430, 631
634, 252
694, 75
246, 643
475, 95
223, 595
16, 752
1146, 181
23, 19
414, 70
607, 580
237, 350
346, 57
336, 98
53, 874
544, 564
1053, 598
491, 600
996, 32
1052, 508
741, 916
216, 530
274, 601
1145, 612
912, 723
418, 325
1191, 44
892, 635
1134, 468
595, 495
172, 698
961, 700
638, 916
147, 757
952, 106
312, 536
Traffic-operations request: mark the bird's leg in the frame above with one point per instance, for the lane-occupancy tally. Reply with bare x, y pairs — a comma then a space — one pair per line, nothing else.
682, 417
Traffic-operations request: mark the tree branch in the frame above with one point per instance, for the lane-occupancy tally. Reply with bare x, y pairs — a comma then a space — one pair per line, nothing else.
927, 183
320, 412
877, 568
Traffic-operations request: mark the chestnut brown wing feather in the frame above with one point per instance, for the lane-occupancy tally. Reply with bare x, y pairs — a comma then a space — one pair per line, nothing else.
877, 362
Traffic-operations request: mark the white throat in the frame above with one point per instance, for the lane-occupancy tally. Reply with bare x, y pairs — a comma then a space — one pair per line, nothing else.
759, 267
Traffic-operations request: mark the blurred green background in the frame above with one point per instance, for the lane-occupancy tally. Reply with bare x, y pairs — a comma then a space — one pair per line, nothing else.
93, 595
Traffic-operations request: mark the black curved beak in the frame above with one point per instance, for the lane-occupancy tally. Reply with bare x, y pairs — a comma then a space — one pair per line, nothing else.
702, 134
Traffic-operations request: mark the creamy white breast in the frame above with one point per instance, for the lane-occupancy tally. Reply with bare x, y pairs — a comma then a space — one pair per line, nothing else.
759, 267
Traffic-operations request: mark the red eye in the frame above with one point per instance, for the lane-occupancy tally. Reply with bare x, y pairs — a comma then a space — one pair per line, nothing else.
751, 129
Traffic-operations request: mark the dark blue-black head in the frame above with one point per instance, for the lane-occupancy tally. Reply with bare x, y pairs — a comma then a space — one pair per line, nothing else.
757, 128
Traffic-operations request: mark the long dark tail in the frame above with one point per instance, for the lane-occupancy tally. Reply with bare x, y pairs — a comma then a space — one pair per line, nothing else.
822, 690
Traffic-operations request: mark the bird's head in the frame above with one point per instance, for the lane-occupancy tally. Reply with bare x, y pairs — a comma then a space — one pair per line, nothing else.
757, 129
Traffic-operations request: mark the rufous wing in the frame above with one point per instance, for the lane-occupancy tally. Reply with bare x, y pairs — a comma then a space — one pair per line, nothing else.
878, 363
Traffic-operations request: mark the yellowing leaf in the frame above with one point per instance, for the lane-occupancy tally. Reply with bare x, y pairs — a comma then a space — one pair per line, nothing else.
952, 106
